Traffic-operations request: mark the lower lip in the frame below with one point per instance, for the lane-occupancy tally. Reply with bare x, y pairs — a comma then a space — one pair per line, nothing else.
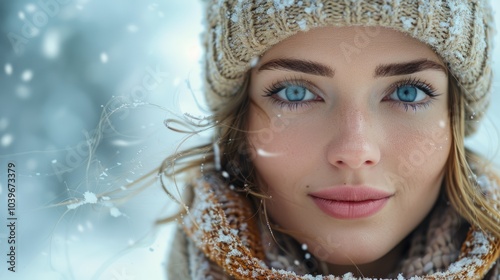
350, 209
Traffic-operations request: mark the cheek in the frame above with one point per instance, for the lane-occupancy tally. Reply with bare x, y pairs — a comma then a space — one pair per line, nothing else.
281, 149
422, 150
418, 158
420, 166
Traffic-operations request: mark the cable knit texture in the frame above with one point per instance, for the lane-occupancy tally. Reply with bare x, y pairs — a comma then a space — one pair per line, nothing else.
459, 31
222, 240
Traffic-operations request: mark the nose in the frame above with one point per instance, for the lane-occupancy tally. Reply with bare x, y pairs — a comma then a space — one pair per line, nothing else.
354, 143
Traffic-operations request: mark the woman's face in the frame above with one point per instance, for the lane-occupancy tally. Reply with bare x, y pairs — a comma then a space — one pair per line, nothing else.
350, 134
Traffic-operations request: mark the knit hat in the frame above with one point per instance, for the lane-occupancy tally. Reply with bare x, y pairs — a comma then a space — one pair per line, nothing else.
459, 31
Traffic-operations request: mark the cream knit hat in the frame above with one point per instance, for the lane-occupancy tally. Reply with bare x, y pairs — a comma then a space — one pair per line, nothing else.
460, 31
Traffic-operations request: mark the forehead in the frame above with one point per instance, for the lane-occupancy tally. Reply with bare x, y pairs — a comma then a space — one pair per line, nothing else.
344, 46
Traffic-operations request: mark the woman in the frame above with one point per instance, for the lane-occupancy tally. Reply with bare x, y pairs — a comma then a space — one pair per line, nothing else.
339, 145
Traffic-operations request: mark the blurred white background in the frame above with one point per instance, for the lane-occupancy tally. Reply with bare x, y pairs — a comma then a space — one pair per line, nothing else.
137, 63
64, 68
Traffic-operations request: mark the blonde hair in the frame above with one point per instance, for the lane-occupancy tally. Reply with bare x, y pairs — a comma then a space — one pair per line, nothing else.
230, 122
461, 186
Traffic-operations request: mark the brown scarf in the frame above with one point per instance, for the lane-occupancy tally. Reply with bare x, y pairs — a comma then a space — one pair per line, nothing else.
225, 242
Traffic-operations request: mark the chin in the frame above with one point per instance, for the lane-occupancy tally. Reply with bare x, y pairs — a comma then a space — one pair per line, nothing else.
341, 257
352, 251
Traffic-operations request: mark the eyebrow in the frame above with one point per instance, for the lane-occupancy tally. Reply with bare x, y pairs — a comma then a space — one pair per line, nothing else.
297, 65
384, 70
406, 68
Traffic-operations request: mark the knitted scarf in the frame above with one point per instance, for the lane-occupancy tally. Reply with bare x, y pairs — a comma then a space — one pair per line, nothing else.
223, 240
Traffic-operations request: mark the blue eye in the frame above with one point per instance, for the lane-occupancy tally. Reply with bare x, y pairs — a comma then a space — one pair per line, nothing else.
295, 93
408, 94
292, 94
412, 93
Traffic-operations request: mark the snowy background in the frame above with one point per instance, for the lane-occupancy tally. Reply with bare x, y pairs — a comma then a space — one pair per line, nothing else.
66, 67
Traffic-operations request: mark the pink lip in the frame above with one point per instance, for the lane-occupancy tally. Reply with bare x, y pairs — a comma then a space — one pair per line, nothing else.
350, 202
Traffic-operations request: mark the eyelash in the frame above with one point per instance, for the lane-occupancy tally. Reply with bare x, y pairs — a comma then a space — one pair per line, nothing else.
278, 86
426, 87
